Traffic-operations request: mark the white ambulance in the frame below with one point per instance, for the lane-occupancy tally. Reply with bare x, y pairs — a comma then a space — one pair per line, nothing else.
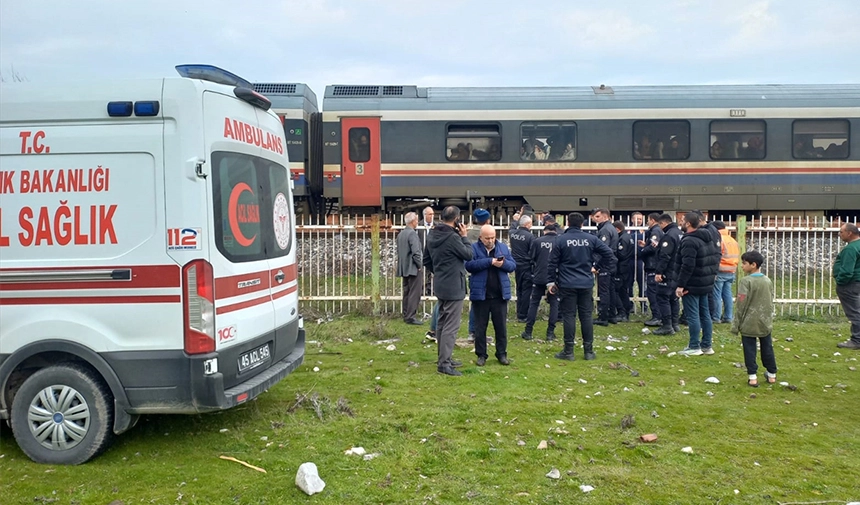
147, 255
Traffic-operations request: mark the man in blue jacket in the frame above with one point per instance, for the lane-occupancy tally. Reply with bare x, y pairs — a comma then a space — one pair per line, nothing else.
489, 291
569, 274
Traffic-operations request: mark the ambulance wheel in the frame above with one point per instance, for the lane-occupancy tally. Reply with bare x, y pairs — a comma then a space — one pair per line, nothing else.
62, 415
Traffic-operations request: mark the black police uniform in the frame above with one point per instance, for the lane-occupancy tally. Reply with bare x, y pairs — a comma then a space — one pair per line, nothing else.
521, 242
607, 233
648, 253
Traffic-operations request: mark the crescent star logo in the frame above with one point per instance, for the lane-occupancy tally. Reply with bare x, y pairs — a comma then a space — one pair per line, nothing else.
233, 209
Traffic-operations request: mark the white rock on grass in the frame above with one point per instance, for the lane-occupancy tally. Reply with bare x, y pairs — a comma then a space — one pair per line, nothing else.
391, 347
368, 457
308, 479
688, 450
358, 451
554, 474
712, 380
586, 488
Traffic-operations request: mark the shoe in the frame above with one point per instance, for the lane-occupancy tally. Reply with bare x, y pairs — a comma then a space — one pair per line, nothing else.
601, 322
503, 359
520, 320
526, 336
614, 320
471, 337
430, 335
589, 355
448, 370
676, 327
623, 319
848, 344
653, 322
708, 350
565, 356
690, 352
414, 321
665, 329
715, 321
550, 337
456, 364
481, 361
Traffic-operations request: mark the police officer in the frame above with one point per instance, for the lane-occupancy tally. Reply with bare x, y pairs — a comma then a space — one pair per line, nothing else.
521, 243
540, 252
665, 276
605, 278
648, 248
626, 264
569, 274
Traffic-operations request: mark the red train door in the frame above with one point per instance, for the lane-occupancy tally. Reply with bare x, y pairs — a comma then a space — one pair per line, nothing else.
360, 171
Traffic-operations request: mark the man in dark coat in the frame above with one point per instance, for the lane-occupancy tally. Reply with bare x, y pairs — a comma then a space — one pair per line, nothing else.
447, 251
626, 270
664, 270
569, 274
605, 279
648, 248
540, 253
409, 263
489, 291
696, 271
521, 242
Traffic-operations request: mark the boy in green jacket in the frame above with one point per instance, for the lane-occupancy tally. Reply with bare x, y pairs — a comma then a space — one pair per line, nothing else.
754, 317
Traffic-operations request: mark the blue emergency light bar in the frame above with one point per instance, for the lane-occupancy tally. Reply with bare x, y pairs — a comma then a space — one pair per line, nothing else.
212, 73
125, 109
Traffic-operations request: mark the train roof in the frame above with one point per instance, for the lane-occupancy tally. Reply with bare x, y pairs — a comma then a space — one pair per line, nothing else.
288, 95
408, 97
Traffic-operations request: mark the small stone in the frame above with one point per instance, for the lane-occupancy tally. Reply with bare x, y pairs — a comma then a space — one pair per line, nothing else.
559, 421
752, 395
316, 369
610, 348
648, 438
814, 355
627, 389
789, 339
223, 430
645, 342
688, 450
368, 457
308, 479
264, 439
783, 383
391, 347
654, 414
547, 365
586, 489
815, 424
852, 368
663, 348
358, 451
646, 331
641, 383
542, 445
583, 381
554, 474
738, 365
671, 354
786, 349
520, 443
709, 393
736, 491
837, 353
681, 382
712, 380
787, 402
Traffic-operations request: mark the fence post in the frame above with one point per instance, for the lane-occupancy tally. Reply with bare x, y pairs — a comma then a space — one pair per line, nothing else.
742, 243
375, 298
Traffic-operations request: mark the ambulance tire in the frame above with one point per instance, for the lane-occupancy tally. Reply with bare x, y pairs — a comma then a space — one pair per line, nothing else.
90, 403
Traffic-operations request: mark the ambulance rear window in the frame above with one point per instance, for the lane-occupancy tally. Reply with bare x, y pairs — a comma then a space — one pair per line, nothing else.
251, 200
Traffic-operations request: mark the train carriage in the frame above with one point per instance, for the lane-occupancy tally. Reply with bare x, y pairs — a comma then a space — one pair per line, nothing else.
738, 148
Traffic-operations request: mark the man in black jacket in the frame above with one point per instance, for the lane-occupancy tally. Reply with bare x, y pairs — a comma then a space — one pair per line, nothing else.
625, 272
696, 271
665, 276
447, 251
521, 242
540, 252
605, 279
648, 248
569, 274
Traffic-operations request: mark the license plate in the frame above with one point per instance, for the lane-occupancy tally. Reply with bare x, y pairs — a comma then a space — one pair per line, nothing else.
254, 358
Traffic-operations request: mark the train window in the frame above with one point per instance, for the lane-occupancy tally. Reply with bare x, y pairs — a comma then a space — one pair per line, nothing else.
738, 140
661, 140
820, 138
548, 141
359, 145
474, 142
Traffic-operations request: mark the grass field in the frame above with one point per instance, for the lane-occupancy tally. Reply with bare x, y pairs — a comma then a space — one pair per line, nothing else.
474, 439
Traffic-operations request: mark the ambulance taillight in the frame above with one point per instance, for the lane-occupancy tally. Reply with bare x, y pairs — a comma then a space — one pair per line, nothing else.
199, 307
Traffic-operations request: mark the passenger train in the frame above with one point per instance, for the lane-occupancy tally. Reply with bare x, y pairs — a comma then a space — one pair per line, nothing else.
722, 148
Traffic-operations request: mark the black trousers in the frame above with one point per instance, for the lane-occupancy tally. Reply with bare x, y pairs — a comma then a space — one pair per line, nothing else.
497, 309
768, 358
575, 302
639, 277
651, 293
538, 290
523, 278
411, 296
606, 292
623, 283
667, 301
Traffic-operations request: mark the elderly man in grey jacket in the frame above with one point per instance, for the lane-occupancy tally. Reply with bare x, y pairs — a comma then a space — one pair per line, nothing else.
409, 263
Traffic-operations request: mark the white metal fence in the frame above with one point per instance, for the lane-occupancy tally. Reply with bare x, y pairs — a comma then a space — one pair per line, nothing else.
349, 264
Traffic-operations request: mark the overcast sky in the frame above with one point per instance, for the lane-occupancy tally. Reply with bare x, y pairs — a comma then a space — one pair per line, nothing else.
439, 42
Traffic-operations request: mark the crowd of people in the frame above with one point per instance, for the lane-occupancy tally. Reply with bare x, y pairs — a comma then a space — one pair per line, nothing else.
684, 269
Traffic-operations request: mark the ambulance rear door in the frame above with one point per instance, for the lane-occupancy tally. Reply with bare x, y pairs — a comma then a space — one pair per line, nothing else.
241, 238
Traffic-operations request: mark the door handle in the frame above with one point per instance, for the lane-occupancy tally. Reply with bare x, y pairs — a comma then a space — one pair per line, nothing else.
280, 276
